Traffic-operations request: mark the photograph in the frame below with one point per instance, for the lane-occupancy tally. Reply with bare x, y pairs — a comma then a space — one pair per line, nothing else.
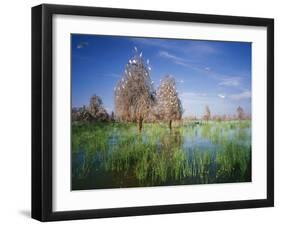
149, 111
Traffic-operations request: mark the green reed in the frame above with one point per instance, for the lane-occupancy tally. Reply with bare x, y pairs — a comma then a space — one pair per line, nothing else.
192, 153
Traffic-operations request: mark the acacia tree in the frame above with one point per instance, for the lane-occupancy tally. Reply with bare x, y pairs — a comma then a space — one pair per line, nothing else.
96, 109
134, 93
240, 113
168, 103
95, 104
207, 114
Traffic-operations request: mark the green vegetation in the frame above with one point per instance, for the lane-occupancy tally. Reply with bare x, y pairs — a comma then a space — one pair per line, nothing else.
108, 155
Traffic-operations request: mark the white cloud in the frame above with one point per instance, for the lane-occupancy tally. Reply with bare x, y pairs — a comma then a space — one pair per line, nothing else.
193, 97
232, 81
223, 80
221, 96
171, 56
82, 45
242, 95
178, 60
204, 70
194, 48
200, 48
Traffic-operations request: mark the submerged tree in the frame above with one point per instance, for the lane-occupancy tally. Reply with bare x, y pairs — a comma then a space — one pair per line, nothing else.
134, 93
240, 113
168, 103
207, 115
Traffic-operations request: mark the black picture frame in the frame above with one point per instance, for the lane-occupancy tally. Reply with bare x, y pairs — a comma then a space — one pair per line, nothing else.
42, 111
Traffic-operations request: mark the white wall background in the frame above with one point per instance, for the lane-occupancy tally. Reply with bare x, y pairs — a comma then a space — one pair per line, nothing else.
15, 113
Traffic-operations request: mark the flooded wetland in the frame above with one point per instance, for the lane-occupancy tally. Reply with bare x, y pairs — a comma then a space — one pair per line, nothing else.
116, 155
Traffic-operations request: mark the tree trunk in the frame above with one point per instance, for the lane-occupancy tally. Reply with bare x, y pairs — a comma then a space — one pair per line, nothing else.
170, 125
140, 124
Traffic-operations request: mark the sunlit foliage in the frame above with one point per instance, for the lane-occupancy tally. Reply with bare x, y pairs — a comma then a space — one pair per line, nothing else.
168, 103
134, 93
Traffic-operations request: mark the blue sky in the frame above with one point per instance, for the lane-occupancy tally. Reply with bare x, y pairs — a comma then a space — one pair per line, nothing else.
214, 73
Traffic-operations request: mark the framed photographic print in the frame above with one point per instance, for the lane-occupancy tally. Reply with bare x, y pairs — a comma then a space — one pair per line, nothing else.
147, 112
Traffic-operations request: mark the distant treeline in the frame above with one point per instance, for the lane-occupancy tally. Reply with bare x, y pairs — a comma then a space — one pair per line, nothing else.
95, 112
